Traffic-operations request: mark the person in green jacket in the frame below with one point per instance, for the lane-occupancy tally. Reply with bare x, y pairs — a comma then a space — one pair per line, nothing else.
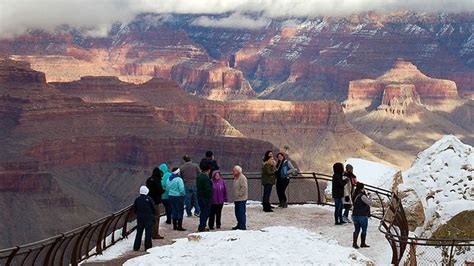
204, 193
268, 180
164, 197
176, 194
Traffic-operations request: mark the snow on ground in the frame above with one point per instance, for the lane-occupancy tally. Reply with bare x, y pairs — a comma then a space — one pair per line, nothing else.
442, 178
372, 173
318, 220
271, 246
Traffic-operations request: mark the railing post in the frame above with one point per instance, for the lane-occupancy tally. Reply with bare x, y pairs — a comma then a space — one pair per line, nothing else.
451, 254
317, 187
75, 256
12, 255
98, 248
50, 251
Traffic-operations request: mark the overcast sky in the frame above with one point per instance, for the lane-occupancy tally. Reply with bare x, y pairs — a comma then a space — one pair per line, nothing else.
96, 16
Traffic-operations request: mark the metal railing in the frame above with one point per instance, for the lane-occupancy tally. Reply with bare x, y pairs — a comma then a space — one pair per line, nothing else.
74, 246
411, 250
79, 244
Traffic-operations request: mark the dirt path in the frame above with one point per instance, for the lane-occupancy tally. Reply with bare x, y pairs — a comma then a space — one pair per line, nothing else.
312, 217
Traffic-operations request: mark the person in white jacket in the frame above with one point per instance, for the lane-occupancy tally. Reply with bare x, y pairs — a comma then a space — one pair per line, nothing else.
348, 191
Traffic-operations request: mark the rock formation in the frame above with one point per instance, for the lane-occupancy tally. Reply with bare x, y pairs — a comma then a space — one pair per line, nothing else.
400, 89
57, 150
317, 56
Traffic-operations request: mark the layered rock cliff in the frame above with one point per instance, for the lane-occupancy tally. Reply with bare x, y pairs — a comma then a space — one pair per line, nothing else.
316, 57
51, 143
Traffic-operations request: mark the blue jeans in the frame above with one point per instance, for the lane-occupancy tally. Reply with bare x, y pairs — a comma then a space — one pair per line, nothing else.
338, 210
240, 210
205, 205
177, 207
360, 222
267, 192
190, 194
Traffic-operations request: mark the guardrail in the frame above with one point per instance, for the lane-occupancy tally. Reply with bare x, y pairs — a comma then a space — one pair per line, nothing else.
79, 244
408, 250
74, 246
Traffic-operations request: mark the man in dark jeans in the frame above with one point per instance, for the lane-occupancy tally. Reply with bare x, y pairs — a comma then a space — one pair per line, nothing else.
144, 208
240, 198
189, 172
338, 184
204, 193
268, 180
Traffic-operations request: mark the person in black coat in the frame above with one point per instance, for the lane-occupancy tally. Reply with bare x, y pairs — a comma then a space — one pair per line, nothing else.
153, 183
210, 161
338, 184
144, 208
360, 215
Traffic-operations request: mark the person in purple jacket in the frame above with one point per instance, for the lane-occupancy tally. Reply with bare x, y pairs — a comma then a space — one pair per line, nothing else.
219, 196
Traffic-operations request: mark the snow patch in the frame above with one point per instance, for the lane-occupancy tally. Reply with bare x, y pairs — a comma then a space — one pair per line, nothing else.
277, 245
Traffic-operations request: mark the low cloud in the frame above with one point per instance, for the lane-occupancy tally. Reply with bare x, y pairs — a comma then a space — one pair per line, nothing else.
234, 21
97, 16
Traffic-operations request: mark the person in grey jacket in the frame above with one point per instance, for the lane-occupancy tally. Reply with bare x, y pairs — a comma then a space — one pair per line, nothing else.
189, 172
240, 198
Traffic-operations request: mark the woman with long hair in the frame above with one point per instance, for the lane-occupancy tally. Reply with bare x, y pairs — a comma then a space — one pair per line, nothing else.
360, 215
284, 170
268, 179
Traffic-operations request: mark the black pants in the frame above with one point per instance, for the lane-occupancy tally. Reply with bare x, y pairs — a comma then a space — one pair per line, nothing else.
146, 225
205, 205
216, 213
167, 205
281, 185
267, 192
347, 208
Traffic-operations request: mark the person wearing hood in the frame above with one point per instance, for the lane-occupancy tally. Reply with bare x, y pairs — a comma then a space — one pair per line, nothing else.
176, 194
165, 197
144, 208
153, 183
338, 184
219, 196
204, 192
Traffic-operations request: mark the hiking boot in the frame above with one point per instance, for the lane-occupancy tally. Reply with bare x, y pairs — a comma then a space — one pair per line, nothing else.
284, 205
175, 224
180, 225
363, 244
354, 240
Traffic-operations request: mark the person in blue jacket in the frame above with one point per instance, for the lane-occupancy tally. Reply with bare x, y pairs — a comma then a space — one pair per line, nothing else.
176, 194
164, 197
144, 208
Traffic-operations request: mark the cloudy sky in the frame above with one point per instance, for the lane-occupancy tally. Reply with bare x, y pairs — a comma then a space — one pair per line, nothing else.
96, 16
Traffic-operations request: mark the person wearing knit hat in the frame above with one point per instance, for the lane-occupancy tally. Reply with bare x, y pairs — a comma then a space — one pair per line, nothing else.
176, 194
219, 196
144, 208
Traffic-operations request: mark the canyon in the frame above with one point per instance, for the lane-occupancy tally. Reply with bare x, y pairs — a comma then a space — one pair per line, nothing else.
85, 119
290, 59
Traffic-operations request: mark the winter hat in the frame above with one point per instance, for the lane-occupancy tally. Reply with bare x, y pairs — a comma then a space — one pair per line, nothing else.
348, 166
215, 172
176, 171
144, 190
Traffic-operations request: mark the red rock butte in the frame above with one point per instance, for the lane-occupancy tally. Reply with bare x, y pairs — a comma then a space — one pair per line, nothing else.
402, 77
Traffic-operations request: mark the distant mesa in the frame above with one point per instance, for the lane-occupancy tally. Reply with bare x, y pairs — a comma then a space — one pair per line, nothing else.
16, 71
401, 89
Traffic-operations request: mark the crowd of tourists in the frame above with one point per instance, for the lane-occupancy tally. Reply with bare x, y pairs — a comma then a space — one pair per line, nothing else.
201, 188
